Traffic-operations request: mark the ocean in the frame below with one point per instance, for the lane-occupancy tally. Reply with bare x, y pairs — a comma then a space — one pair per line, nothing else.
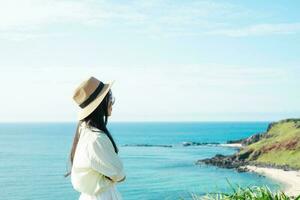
33, 159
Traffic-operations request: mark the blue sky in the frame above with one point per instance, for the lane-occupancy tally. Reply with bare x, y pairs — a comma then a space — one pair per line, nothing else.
171, 60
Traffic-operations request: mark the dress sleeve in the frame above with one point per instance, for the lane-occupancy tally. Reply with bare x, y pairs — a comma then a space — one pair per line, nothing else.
104, 159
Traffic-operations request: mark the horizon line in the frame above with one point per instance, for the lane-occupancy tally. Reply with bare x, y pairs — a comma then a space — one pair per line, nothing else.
148, 121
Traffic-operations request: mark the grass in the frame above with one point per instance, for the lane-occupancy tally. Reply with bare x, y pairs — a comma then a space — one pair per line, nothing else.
284, 157
247, 193
281, 131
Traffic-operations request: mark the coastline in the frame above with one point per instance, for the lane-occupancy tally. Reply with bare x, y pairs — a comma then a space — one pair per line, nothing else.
290, 179
235, 145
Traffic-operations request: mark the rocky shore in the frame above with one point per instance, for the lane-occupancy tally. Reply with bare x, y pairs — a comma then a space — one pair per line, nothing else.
237, 160
274, 153
230, 162
199, 143
248, 156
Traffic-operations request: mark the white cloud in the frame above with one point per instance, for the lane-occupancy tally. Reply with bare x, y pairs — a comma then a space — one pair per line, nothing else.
173, 92
259, 29
27, 19
34, 14
30, 14
34, 17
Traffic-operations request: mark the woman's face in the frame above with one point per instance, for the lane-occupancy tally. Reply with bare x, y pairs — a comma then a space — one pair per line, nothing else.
109, 108
111, 101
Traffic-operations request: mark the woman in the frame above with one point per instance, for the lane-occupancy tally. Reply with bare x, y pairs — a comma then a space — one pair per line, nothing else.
95, 165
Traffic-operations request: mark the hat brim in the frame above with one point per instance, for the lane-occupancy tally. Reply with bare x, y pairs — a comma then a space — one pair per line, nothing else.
86, 111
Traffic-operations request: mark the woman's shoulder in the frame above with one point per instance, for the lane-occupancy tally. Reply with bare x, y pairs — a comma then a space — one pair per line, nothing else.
91, 131
99, 139
85, 126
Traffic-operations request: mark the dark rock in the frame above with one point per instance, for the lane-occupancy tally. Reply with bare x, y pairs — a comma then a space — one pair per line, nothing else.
242, 169
229, 162
255, 155
270, 126
244, 156
252, 139
199, 143
235, 141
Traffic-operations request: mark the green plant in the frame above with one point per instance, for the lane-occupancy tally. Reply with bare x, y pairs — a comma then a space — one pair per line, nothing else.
248, 193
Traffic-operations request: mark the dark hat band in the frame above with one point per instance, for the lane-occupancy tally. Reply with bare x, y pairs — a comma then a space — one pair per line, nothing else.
93, 96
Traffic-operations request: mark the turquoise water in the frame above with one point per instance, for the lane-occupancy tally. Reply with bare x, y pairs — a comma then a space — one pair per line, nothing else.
33, 159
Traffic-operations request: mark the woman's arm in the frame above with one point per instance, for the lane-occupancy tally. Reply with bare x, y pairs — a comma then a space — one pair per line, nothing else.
104, 160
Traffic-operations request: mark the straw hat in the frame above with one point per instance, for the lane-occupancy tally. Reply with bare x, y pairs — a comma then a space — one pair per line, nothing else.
89, 94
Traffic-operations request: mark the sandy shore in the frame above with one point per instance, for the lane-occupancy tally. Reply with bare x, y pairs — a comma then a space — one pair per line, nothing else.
291, 179
236, 145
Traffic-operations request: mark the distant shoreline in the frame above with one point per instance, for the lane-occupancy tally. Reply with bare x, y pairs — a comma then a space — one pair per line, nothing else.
186, 144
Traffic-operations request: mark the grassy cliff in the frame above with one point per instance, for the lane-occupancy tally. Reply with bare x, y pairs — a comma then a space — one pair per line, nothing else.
279, 146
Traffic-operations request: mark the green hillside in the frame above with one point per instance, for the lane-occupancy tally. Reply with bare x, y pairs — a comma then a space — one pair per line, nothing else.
279, 146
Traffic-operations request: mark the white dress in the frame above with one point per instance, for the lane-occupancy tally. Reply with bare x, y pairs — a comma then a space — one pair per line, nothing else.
111, 194
95, 155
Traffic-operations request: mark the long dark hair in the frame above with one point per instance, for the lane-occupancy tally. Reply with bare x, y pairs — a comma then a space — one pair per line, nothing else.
97, 119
